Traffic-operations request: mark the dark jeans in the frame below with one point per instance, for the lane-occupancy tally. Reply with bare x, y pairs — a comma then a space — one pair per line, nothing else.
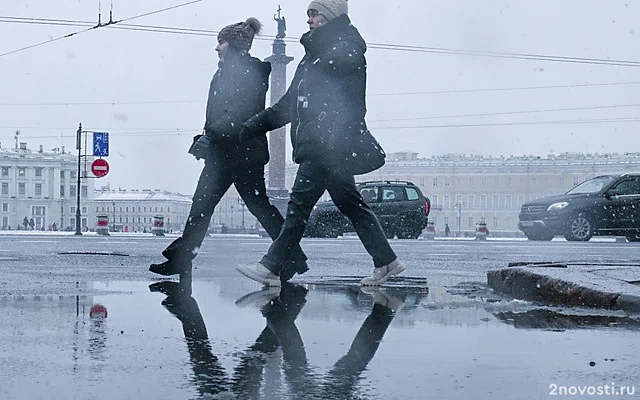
311, 182
215, 180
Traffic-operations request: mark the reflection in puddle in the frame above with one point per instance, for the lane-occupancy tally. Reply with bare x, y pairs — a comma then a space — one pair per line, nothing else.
324, 339
280, 309
551, 320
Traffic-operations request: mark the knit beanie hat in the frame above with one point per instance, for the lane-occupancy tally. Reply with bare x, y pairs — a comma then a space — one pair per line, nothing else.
330, 9
240, 35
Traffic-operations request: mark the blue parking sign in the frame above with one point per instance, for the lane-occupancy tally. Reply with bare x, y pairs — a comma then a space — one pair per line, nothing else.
100, 144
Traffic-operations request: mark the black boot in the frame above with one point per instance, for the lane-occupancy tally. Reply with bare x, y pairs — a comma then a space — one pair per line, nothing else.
171, 267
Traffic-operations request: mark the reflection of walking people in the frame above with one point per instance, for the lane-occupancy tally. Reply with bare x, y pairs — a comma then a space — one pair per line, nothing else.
280, 312
340, 382
237, 91
325, 105
210, 377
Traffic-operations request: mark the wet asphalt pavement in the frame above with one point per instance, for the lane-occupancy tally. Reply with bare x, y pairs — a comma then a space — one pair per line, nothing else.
436, 332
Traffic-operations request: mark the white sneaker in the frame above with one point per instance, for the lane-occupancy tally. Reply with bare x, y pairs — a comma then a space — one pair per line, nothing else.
259, 273
384, 298
258, 298
381, 274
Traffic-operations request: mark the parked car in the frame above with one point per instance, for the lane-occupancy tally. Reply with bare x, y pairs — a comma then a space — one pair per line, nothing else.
604, 205
400, 206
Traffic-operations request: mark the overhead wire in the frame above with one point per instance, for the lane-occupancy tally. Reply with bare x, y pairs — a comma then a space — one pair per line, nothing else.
515, 123
381, 46
98, 25
509, 113
182, 132
190, 31
46, 42
506, 89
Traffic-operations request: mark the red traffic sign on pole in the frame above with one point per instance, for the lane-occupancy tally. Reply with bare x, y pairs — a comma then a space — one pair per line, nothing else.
99, 167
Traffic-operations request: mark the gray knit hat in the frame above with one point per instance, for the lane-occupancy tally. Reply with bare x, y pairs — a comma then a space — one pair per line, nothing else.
240, 35
329, 9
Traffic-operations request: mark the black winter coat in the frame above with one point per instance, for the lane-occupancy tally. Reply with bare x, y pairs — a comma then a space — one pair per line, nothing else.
237, 91
325, 103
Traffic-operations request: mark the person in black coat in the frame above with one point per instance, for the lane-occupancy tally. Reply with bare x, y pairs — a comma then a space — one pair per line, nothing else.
237, 91
325, 105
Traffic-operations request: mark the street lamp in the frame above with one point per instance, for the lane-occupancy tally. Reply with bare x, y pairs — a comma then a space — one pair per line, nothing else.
61, 213
79, 147
113, 226
241, 203
459, 206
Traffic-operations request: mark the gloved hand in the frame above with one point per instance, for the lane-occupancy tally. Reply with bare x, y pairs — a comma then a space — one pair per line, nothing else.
201, 146
249, 129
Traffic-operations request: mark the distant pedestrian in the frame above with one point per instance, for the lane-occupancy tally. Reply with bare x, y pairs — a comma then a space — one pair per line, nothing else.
32, 224
237, 91
25, 222
326, 106
447, 230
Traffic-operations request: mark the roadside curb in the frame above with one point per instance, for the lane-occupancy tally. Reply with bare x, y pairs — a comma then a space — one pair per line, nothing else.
546, 283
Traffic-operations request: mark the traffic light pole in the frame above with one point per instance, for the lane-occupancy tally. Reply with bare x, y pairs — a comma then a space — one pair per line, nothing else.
79, 147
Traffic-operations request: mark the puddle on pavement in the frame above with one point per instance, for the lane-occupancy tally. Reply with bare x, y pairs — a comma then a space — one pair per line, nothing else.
325, 339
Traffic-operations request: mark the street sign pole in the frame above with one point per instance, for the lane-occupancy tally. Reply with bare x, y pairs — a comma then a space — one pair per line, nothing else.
100, 167
78, 215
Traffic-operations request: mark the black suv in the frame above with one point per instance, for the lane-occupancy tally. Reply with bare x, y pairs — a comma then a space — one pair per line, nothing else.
604, 205
400, 206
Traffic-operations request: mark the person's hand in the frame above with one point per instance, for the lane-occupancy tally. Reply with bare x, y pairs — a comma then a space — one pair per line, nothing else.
201, 146
249, 130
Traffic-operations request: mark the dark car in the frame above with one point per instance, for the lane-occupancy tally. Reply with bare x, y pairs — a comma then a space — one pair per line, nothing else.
400, 206
605, 205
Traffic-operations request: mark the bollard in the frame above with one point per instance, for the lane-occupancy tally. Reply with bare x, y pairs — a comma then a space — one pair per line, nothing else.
481, 231
430, 232
158, 225
102, 225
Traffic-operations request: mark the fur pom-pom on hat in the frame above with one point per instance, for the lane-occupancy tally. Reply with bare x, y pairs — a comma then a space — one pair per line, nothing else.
330, 9
240, 35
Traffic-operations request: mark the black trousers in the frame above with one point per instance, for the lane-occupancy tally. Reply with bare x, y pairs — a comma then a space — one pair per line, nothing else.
311, 182
216, 178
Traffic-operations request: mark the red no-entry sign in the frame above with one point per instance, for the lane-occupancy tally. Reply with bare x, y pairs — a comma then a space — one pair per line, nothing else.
99, 167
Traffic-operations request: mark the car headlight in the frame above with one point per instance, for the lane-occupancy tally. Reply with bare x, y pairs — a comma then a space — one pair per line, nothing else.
557, 206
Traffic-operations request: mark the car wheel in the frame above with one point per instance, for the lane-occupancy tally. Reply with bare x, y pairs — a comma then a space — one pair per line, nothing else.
633, 237
580, 228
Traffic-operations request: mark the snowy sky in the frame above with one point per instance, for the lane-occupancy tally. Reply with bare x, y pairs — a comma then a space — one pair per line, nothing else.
148, 89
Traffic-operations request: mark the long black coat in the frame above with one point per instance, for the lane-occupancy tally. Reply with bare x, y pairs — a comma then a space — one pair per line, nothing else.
326, 100
237, 91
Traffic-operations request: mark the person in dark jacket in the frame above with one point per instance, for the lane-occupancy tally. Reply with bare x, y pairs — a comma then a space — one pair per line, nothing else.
237, 91
325, 105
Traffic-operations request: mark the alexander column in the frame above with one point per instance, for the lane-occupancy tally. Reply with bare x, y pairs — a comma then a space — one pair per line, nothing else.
277, 138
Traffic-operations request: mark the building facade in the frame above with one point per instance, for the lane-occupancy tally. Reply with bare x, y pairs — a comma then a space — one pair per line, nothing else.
464, 190
42, 186
134, 210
